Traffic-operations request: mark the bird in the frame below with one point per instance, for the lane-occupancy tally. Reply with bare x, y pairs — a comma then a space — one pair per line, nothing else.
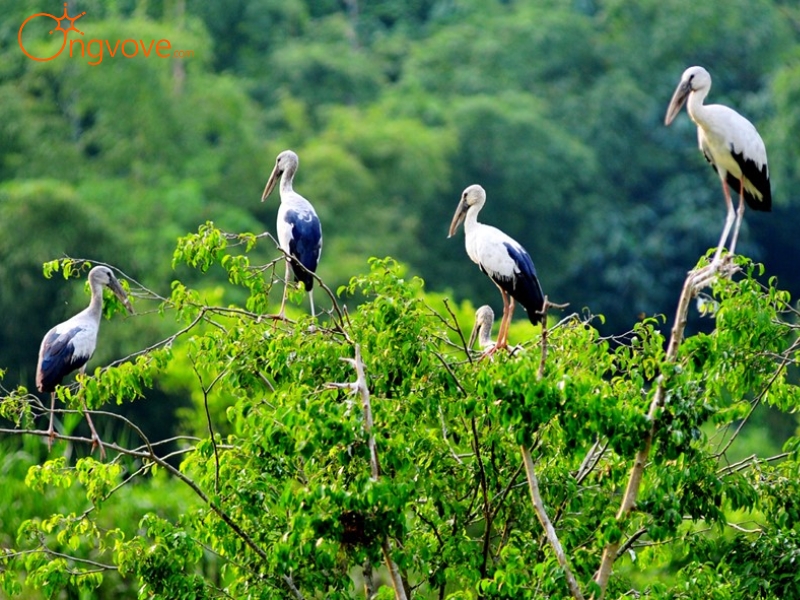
69, 345
500, 257
299, 228
482, 330
731, 144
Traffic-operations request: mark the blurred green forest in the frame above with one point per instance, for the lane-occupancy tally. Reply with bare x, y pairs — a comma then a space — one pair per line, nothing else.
556, 108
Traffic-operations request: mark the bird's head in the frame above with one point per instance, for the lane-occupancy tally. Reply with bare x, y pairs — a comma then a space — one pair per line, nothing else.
484, 319
286, 162
104, 276
694, 79
474, 195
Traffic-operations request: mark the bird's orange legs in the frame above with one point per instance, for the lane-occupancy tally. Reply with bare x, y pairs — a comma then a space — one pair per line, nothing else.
502, 335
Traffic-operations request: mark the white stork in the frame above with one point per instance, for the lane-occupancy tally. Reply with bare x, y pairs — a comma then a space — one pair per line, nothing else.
506, 263
731, 144
482, 330
69, 345
299, 229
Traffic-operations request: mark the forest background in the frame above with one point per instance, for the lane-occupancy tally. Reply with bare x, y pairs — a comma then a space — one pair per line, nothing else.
555, 108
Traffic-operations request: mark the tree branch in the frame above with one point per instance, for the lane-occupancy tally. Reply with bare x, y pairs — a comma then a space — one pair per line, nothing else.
533, 485
611, 550
360, 386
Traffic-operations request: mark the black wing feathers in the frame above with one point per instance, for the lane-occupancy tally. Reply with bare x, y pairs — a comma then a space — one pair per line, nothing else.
304, 245
57, 360
524, 287
758, 177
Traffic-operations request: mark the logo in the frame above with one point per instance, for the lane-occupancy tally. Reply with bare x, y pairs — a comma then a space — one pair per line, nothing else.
94, 48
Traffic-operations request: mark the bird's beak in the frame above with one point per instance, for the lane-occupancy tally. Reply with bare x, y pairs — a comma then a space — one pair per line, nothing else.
474, 334
678, 99
273, 178
458, 218
115, 286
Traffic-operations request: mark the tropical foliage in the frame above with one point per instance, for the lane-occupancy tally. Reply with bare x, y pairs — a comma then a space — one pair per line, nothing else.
241, 467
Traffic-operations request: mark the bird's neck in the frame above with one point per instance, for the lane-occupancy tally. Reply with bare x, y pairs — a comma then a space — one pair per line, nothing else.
695, 106
286, 182
95, 308
485, 337
471, 220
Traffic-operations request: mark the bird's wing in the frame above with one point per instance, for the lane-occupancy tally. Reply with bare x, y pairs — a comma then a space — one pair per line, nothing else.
305, 242
56, 357
526, 285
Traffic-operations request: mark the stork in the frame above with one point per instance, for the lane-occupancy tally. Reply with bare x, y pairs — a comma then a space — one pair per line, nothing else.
299, 229
69, 345
482, 330
506, 263
733, 147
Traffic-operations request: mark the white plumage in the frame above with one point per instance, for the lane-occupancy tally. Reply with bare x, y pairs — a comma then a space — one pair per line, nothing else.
731, 144
504, 260
69, 345
482, 330
298, 227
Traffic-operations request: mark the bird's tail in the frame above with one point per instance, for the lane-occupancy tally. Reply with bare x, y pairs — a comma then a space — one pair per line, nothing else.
529, 294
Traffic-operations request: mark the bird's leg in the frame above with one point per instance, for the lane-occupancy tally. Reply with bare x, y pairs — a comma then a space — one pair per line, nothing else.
702, 277
503, 333
729, 218
511, 306
282, 311
96, 441
51, 432
739, 215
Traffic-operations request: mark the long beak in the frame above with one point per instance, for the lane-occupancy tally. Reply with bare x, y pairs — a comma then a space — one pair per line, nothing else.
474, 333
458, 218
115, 286
678, 99
273, 178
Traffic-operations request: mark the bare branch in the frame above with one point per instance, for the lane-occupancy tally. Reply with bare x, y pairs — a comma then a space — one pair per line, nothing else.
550, 531
360, 386
533, 485
611, 550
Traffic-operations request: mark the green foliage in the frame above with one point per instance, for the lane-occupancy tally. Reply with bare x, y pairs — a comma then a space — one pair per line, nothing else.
394, 107
285, 497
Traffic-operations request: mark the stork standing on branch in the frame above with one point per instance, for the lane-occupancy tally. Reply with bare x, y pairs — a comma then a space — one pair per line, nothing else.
69, 345
299, 229
733, 147
506, 263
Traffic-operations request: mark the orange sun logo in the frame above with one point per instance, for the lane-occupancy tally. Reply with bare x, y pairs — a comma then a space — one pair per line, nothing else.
59, 21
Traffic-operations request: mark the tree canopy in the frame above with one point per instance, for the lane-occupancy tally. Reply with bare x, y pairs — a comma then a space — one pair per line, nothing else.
243, 464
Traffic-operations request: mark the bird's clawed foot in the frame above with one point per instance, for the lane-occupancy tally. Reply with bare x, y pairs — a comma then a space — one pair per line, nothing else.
488, 353
704, 276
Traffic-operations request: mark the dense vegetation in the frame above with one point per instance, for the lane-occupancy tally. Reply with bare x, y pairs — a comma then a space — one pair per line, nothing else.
394, 107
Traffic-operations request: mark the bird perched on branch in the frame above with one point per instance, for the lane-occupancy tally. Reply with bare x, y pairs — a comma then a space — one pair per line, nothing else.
69, 345
733, 147
299, 229
504, 260
482, 330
